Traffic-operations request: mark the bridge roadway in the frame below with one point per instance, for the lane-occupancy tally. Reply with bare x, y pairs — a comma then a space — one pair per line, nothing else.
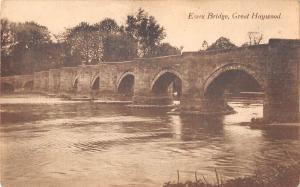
198, 78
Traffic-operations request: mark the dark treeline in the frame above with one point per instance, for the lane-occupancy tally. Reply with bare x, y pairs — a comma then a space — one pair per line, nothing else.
255, 38
28, 47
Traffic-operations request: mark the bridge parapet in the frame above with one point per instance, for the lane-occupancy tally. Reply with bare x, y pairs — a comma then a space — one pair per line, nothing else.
253, 48
274, 66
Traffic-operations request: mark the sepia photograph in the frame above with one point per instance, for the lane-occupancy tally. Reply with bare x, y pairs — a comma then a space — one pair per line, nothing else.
150, 93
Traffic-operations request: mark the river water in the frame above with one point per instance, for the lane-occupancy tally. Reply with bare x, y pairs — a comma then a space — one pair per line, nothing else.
48, 142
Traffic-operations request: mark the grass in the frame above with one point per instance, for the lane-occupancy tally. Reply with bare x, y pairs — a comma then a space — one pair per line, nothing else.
281, 176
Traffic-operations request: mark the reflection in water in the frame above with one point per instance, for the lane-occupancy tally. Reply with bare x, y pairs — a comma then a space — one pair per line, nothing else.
87, 144
244, 146
176, 126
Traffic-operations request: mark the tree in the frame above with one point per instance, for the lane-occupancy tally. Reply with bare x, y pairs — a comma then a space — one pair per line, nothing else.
107, 26
119, 47
6, 46
85, 43
221, 43
204, 45
21, 44
31, 34
146, 31
166, 49
30, 37
246, 44
50, 55
7, 40
255, 38
27, 35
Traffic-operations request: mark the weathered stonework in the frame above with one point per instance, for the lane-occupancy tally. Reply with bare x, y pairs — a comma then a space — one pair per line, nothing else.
18, 82
275, 67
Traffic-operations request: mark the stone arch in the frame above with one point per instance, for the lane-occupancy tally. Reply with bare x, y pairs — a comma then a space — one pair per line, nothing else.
28, 85
95, 84
166, 77
252, 72
7, 87
157, 76
122, 77
125, 83
75, 83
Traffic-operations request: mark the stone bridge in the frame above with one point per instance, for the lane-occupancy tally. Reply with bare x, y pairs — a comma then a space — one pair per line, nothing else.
17, 83
197, 79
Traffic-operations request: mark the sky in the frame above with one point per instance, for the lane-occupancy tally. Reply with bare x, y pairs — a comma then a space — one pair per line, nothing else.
173, 15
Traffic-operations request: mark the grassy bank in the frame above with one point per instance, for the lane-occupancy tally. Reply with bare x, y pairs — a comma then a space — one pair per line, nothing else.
282, 176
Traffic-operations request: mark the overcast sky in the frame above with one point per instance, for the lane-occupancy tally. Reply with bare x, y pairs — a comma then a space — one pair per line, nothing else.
173, 15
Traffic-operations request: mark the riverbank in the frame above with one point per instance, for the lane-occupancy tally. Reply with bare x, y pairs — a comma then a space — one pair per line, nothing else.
44, 98
281, 176
275, 125
255, 125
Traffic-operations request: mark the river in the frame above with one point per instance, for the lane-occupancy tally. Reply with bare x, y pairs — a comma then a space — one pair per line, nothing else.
49, 142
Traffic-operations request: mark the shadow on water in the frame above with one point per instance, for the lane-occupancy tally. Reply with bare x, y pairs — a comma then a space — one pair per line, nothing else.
116, 142
17, 117
281, 133
199, 127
